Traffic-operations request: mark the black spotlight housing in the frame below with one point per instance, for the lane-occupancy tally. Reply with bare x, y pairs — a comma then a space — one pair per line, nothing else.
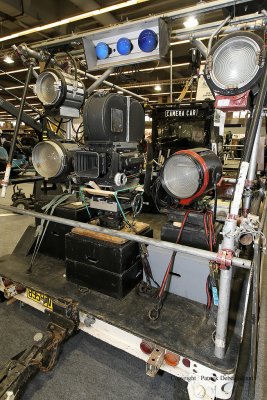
235, 64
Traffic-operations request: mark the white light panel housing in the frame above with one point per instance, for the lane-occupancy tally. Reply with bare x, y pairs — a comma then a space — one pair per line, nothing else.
131, 30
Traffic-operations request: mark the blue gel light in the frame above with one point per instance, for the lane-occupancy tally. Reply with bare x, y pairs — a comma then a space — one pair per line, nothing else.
102, 50
148, 40
124, 46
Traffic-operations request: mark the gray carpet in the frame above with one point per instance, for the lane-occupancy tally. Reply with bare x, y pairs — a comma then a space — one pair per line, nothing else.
87, 368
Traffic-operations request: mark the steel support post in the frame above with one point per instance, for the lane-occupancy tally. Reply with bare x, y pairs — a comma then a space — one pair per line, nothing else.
5, 181
231, 222
252, 170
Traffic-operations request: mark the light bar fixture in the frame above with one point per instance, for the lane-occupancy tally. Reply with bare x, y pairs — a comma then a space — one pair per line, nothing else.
75, 18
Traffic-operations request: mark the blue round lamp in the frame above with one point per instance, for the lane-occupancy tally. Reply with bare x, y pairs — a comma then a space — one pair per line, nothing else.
102, 50
124, 46
148, 40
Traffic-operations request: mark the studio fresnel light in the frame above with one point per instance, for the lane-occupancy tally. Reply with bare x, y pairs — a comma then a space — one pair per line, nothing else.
188, 174
235, 63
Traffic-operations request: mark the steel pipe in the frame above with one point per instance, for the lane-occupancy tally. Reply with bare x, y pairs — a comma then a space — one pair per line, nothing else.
216, 32
200, 46
209, 255
99, 80
90, 76
231, 222
252, 169
171, 76
16, 132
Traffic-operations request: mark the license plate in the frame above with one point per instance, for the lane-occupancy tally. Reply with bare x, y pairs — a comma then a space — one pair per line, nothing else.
40, 298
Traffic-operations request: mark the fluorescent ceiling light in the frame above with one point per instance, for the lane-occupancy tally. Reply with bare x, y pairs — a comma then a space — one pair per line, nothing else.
157, 88
17, 71
8, 60
190, 22
66, 21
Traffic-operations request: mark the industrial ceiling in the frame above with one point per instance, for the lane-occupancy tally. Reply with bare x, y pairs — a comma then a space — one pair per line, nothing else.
20, 15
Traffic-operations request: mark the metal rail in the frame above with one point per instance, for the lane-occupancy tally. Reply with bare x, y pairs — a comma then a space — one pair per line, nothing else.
209, 255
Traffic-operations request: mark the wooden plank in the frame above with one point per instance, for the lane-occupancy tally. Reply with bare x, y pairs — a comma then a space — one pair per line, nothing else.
99, 192
137, 229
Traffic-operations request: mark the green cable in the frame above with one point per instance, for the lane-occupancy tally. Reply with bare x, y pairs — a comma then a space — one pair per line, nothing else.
84, 202
121, 210
119, 205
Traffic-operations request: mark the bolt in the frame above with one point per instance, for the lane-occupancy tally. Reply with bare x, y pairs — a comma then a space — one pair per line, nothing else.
38, 337
200, 392
89, 320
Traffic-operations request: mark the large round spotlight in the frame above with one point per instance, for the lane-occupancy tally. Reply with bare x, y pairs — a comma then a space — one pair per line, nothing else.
188, 174
234, 64
148, 40
54, 88
53, 159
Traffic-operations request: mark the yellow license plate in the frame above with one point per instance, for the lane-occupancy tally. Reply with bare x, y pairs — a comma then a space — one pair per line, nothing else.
40, 298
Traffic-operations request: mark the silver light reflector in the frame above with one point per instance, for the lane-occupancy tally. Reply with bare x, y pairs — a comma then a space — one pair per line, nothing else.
48, 159
188, 174
181, 176
48, 88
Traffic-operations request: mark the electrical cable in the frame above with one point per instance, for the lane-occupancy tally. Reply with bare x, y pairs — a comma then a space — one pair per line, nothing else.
74, 64
41, 229
84, 202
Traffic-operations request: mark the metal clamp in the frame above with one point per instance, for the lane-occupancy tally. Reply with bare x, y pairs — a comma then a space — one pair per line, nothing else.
224, 258
155, 361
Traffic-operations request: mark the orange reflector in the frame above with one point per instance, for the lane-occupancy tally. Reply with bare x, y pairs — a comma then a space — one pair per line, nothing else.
146, 347
171, 359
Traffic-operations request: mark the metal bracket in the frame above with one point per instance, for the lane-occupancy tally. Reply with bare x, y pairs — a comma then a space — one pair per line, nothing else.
155, 361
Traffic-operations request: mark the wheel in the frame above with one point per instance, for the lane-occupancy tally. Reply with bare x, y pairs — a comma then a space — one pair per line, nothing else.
21, 204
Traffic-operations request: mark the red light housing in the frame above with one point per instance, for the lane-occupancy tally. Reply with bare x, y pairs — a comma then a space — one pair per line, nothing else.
171, 359
186, 362
146, 347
